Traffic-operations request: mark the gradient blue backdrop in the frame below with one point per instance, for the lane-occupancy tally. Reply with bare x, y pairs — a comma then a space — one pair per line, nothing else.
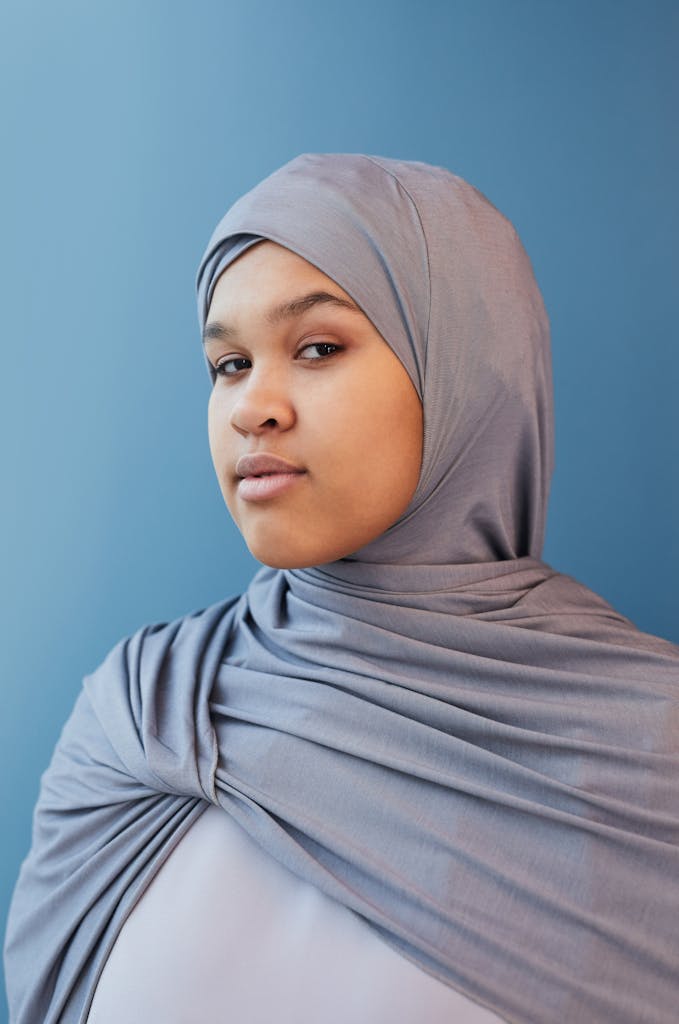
129, 128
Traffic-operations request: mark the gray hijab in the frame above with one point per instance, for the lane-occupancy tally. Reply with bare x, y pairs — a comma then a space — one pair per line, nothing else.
474, 752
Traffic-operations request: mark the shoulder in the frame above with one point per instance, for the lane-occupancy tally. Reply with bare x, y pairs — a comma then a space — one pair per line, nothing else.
189, 638
152, 678
577, 610
149, 700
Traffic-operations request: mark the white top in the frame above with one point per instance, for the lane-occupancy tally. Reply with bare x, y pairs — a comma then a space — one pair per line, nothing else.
224, 934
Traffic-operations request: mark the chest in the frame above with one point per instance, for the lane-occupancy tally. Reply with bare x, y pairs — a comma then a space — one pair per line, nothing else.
224, 933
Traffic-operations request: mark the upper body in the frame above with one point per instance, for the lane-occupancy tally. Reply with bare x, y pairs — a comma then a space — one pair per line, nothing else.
407, 710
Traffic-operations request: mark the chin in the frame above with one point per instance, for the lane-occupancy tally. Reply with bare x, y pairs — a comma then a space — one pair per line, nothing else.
289, 544
282, 556
291, 556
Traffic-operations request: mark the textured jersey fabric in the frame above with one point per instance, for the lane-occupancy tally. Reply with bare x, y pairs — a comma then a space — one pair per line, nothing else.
471, 750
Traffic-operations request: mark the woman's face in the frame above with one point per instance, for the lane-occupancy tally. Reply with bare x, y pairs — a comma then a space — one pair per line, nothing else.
317, 386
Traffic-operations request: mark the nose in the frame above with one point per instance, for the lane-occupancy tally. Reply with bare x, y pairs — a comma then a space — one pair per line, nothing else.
262, 404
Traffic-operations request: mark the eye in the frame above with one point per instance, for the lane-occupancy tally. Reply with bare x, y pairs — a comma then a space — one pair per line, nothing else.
227, 367
233, 365
324, 348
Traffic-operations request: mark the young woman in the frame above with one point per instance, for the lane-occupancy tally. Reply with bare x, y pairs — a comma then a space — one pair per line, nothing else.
413, 773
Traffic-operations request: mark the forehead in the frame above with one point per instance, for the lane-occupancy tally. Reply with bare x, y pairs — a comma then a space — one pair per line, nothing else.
275, 286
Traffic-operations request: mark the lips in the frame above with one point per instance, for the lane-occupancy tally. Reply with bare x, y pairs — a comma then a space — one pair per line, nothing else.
264, 464
263, 477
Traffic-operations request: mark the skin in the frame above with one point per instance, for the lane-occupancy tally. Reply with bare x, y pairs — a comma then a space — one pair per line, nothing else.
321, 389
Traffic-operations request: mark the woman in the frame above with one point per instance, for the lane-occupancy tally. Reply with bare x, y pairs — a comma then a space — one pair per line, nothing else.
460, 762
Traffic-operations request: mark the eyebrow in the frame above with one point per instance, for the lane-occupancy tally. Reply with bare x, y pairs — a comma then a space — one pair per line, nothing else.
288, 310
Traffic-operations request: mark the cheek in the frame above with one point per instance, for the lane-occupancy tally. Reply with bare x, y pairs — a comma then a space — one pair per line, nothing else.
388, 418
399, 446
375, 458
217, 423
221, 437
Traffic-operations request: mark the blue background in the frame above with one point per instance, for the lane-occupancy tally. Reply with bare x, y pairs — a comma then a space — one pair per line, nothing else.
129, 128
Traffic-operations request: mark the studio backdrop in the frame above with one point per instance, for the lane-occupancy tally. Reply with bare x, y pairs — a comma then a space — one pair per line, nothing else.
128, 131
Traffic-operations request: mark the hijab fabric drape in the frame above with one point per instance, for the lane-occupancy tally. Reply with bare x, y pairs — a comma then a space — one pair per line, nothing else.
471, 750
